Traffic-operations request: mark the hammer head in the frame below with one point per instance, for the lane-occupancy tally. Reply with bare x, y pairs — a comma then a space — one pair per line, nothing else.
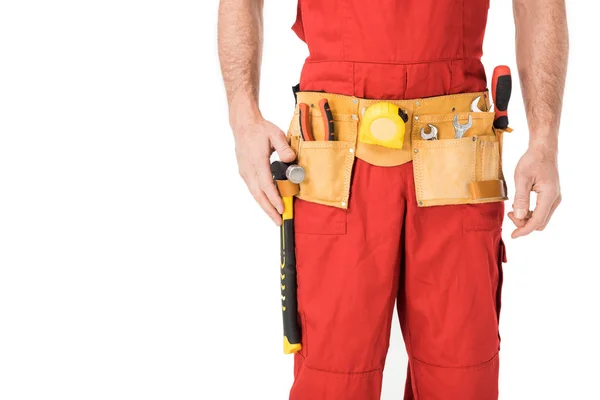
282, 171
278, 169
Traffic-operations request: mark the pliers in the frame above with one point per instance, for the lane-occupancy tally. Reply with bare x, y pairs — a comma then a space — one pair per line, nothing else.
304, 115
327, 119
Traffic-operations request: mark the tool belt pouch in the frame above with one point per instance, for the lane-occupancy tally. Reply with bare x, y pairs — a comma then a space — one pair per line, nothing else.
458, 171
327, 164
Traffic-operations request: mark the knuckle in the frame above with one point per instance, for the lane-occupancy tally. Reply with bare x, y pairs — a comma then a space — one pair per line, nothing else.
280, 149
558, 196
254, 191
554, 192
537, 223
250, 180
527, 231
283, 146
287, 153
265, 187
517, 175
520, 176
265, 184
276, 134
275, 141
521, 198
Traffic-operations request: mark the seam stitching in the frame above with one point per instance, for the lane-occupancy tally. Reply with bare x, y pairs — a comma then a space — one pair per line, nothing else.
460, 366
343, 373
440, 60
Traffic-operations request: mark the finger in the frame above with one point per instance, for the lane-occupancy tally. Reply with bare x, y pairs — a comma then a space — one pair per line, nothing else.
519, 223
539, 217
281, 146
260, 197
523, 191
266, 184
554, 207
265, 204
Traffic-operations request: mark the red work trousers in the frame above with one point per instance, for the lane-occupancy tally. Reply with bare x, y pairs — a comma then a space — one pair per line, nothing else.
442, 265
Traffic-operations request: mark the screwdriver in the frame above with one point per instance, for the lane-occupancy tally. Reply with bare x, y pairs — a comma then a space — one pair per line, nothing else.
501, 91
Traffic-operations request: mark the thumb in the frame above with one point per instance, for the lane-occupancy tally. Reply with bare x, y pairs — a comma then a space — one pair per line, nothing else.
522, 195
281, 146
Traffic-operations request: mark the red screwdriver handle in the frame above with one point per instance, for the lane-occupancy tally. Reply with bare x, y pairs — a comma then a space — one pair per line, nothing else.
501, 91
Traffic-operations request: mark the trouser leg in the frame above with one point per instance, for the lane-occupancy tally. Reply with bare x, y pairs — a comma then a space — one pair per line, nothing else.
348, 270
449, 300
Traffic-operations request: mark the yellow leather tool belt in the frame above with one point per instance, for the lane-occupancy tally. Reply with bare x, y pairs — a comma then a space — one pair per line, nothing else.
447, 170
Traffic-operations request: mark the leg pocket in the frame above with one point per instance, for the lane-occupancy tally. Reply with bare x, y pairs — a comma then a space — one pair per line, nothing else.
501, 260
483, 217
317, 219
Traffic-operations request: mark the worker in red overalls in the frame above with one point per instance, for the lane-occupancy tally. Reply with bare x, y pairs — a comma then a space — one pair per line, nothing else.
401, 196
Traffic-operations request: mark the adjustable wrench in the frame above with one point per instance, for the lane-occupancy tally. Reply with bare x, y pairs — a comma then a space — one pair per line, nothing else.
461, 129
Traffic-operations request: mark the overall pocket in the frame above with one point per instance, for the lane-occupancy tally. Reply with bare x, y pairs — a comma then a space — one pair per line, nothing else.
457, 171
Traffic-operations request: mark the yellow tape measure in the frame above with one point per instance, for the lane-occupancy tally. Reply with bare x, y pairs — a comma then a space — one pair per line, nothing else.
383, 125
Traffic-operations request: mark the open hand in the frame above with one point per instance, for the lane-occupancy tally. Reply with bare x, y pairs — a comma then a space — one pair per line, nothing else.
537, 171
254, 144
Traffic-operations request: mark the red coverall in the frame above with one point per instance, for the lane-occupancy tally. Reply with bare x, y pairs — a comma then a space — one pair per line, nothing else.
441, 264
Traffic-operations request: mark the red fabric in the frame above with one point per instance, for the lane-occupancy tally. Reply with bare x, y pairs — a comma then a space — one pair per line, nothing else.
391, 49
441, 264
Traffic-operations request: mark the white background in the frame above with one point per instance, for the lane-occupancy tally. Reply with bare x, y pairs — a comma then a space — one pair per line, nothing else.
135, 265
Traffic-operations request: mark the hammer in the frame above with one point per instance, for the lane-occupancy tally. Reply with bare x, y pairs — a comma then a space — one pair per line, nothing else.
287, 177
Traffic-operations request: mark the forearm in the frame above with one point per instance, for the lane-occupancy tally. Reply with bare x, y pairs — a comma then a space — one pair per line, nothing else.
240, 49
542, 44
